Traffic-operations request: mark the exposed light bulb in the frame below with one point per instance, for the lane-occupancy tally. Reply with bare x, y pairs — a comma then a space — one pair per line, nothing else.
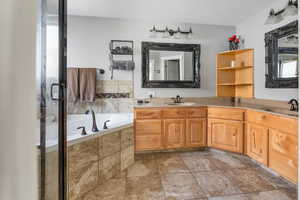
166, 33
190, 34
153, 33
178, 34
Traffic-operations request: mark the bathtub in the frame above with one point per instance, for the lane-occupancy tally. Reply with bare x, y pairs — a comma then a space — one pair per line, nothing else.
117, 122
84, 152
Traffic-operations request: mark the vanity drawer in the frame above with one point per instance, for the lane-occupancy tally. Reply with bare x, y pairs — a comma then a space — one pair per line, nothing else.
196, 112
226, 113
147, 113
285, 124
173, 113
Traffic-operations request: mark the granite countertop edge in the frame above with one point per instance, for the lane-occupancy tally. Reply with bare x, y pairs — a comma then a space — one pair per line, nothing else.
254, 107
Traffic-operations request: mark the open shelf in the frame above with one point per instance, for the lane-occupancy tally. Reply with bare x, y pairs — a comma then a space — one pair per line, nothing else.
233, 84
234, 68
239, 51
235, 81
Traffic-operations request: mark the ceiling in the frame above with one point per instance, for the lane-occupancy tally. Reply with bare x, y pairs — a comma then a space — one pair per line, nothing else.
218, 12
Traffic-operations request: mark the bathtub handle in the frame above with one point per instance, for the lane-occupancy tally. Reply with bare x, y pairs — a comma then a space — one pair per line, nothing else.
105, 124
83, 130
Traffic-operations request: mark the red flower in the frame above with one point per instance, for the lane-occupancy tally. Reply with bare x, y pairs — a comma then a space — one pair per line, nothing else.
237, 40
233, 38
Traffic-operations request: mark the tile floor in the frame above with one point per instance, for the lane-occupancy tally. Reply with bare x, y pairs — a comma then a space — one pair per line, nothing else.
199, 175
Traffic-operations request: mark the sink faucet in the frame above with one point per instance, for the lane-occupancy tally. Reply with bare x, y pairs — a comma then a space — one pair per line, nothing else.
294, 105
94, 129
177, 99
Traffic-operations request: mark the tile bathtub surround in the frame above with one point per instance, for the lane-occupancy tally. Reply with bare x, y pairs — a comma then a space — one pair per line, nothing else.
82, 167
92, 163
114, 105
115, 86
112, 96
177, 176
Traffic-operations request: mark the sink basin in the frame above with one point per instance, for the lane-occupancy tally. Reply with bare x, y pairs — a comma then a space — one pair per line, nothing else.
282, 111
268, 109
293, 115
181, 104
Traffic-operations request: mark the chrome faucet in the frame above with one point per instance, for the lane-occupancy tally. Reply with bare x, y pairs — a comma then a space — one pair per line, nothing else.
294, 105
94, 128
177, 99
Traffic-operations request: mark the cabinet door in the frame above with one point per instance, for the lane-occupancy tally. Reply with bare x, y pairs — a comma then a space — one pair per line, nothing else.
174, 133
283, 154
225, 135
148, 135
257, 143
196, 132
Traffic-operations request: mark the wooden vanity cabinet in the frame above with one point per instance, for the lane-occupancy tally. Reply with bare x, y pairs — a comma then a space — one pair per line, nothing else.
196, 127
226, 135
174, 133
226, 129
283, 154
196, 132
278, 142
257, 142
170, 128
149, 135
148, 129
270, 139
174, 127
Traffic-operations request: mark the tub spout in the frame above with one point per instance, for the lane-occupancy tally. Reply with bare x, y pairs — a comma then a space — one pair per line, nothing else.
95, 128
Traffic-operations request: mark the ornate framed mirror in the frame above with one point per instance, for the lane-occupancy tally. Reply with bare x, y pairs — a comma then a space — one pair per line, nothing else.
282, 57
170, 65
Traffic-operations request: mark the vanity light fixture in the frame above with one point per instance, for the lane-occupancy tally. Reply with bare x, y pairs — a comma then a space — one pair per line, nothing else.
273, 18
167, 33
290, 10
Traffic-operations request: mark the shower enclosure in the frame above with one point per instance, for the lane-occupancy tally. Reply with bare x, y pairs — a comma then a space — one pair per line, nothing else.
51, 81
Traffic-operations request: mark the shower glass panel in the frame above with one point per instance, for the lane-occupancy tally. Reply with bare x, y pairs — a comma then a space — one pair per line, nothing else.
51, 85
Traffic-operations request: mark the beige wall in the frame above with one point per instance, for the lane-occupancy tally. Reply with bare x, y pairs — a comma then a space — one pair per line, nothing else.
18, 169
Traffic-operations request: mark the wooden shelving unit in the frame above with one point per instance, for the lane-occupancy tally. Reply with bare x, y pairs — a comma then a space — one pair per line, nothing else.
235, 81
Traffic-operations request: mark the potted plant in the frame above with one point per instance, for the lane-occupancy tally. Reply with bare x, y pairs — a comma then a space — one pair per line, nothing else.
234, 42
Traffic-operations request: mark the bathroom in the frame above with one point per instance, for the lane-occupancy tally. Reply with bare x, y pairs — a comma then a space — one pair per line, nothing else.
133, 102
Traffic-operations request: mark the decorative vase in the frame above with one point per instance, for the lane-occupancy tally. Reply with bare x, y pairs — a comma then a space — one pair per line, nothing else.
233, 46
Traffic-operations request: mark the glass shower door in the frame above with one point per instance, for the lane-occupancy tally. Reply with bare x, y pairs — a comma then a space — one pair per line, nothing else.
51, 67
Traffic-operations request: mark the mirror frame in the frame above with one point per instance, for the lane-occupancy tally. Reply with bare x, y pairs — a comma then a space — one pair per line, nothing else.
271, 59
195, 48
